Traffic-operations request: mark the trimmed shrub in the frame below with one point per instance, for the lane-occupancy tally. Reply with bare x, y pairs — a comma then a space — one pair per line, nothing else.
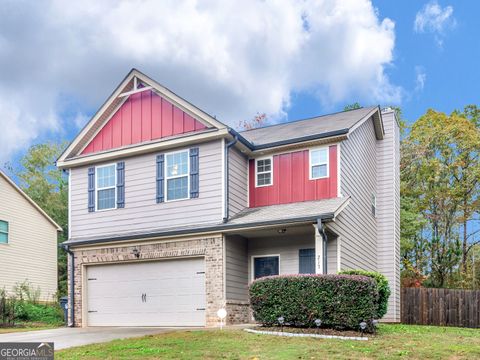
340, 301
382, 288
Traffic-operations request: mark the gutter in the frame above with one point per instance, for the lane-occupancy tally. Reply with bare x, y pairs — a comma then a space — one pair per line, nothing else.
227, 178
71, 279
207, 229
322, 232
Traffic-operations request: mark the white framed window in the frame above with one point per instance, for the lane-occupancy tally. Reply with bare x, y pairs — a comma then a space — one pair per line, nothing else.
374, 205
264, 172
318, 163
177, 168
106, 187
3, 232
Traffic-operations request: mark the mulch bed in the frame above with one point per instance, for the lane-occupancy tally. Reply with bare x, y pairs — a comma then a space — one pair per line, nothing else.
321, 331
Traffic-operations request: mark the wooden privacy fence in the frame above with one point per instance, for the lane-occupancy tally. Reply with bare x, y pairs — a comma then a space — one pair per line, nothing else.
445, 307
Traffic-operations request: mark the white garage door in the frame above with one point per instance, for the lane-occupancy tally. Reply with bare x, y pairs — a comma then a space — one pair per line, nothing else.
160, 293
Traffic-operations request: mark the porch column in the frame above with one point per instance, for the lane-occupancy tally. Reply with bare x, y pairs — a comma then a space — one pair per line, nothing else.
318, 251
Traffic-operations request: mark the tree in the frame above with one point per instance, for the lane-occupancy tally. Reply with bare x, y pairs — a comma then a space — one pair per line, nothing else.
258, 120
45, 184
439, 165
353, 106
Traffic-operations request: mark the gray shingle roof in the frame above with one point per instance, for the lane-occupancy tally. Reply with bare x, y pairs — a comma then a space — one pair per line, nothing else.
327, 124
286, 212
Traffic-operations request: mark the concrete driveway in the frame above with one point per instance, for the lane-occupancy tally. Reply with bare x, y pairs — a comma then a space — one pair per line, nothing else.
69, 337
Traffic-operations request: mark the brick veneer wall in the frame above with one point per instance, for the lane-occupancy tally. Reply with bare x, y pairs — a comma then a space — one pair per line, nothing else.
210, 247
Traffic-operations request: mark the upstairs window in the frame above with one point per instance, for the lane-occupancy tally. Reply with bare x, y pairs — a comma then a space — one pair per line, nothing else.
106, 187
177, 170
319, 163
3, 232
264, 172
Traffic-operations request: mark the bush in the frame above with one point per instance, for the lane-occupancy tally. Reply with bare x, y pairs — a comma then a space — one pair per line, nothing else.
382, 288
340, 301
44, 313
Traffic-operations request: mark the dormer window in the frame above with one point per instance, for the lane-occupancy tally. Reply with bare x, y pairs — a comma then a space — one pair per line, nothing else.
319, 163
264, 172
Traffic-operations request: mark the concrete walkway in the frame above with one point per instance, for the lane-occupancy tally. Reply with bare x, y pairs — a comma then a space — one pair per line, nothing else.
69, 337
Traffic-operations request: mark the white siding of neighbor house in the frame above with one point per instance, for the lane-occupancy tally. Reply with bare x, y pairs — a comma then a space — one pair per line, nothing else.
355, 225
31, 252
141, 212
238, 186
388, 205
236, 268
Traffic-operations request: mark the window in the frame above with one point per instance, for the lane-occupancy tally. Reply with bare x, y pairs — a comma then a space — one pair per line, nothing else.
263, 172
106, 187
306, 261
265, 266
318, 163
3, 232
374, 205
177, 169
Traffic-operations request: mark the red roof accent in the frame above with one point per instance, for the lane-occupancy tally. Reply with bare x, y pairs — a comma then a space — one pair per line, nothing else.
143, 117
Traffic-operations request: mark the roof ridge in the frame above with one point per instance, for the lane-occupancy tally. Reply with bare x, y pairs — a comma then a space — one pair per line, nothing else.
307, 119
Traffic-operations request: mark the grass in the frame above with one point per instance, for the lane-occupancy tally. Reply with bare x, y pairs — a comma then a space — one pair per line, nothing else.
29, 327
393, 341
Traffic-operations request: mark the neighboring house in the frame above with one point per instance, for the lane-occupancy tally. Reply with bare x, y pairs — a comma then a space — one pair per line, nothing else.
172, 213
28, 242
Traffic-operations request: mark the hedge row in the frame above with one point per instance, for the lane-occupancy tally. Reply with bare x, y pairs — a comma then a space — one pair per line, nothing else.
339, 301
382, 288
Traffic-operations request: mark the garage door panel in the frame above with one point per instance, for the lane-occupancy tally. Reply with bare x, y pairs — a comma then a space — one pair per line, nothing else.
174, 289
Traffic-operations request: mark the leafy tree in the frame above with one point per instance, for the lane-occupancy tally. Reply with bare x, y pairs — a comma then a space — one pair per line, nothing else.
439, 165
353, 106
38, 176
257, 121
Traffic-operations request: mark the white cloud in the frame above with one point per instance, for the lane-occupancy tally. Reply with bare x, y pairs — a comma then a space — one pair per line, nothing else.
420, 78
435, 20
233, 59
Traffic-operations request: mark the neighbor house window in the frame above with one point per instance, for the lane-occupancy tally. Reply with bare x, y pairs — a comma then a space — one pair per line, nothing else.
177, 169
265, 266
318, 163
374, 205
264, 171
3, 232
106, 187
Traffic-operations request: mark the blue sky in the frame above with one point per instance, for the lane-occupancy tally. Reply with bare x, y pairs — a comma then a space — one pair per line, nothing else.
289, 59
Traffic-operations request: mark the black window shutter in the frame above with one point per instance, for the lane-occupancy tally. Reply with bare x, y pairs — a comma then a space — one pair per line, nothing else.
306, 261
91, 189
160, 178
194, 173
121, 184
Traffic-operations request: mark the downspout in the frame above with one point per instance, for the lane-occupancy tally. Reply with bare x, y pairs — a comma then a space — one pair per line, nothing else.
72, 286
227, 178
322, 232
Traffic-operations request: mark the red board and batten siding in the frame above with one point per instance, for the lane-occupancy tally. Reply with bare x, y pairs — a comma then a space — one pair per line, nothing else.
291, 181
142, 117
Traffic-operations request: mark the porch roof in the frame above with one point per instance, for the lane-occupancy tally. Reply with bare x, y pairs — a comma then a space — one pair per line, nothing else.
328, 209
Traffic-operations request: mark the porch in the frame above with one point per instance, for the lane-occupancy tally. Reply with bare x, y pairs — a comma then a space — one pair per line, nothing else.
254, 253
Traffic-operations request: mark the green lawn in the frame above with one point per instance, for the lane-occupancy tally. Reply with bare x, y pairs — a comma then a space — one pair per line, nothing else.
393, 341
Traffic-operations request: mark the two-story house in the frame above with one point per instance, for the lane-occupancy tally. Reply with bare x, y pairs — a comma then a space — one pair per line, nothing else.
172, 213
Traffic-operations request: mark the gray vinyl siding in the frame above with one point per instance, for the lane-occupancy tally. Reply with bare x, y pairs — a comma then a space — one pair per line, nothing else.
236, 268
141, 212
332, 256
238, 181
388, 206
355, 225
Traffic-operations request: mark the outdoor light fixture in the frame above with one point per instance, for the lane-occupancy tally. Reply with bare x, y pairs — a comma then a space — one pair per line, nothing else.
281, 321
282, 231
318, 323
136, 253
363, 326
375, 325
222, 314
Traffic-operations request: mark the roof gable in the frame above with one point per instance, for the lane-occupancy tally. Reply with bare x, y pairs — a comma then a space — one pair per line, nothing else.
144, 116
129, 96
33, 203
